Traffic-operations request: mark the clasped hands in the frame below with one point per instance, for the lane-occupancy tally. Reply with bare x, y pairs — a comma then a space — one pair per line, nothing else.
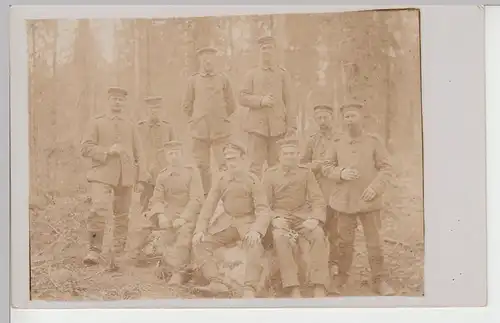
306, 226
251, 239
350, 174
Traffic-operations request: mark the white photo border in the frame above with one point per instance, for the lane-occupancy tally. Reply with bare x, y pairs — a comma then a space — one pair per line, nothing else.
454, 159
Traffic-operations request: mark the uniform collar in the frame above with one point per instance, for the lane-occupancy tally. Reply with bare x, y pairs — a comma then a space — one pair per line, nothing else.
267, 68
207, 74
354, 140
115, 116
327, 134
288, 170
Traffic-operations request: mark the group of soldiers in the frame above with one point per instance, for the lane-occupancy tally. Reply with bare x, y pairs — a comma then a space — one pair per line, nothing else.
310, 198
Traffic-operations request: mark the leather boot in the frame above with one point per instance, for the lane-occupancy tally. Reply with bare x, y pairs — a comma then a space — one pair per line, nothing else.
95, 247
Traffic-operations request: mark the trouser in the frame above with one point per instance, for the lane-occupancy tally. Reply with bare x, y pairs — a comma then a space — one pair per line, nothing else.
201, 155
146, 195
204, 255
347, 228
175, 244
332, 231
110, 210
262, 148
318, 273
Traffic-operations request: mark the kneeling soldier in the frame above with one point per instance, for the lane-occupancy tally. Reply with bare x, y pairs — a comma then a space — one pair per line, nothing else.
246, 207
176, 202
298, 211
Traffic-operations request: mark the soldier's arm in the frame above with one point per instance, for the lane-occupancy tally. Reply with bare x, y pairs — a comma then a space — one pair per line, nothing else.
229, 96
90, 145
247, 97
196, 196
290, 106
315, 198
261, 204
188, 100
383, 165
330, 168
139, 156
208, 208
157, 201
306, 158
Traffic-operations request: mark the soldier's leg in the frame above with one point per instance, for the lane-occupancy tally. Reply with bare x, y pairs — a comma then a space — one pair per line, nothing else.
373, 245
285, 252
146, 195
100, 213
201, 155
181, 253
273, 150
141, 237
204, 251
331, 227
257, 152
347, 224
318, 257
122, 200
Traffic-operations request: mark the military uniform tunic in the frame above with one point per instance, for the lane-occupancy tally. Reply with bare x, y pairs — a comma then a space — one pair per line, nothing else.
266, 126
368, 155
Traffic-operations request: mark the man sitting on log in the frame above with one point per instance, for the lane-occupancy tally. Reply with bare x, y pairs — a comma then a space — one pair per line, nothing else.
247, 211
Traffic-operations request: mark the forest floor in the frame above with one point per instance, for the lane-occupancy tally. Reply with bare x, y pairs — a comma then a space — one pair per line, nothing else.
58, 244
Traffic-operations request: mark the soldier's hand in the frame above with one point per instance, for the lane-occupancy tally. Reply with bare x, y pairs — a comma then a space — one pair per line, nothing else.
349, 174
139, 187
251, 238
310, 224
368, 195
116, 149
280, 223
198, 238
290, 132
267, 101
178, 223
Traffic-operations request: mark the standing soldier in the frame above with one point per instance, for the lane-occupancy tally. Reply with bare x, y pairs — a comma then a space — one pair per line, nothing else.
174, 207
154, 132
209, 102
246, 208
314, 157
360, 164
267, 92
113, 144
298, 211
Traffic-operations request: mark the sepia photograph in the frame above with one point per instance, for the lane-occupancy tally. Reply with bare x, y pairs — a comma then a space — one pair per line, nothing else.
234, 156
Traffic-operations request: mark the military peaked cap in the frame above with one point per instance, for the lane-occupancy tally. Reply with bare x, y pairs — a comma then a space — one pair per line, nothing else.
204, 50
323, 107
266, 40
351, 106
117, 91
153, 101
234, 146
172, 145
289, 142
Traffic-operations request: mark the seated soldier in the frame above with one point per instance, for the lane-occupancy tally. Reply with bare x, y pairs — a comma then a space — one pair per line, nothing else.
297, 208
176, 202
246, 207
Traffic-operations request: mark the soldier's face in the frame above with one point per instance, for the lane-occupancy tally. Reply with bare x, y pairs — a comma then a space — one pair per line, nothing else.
234, 161
155, 113
289, 156
323, 119
267, 53
117, 102
174, 156
352, 118
207, 62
